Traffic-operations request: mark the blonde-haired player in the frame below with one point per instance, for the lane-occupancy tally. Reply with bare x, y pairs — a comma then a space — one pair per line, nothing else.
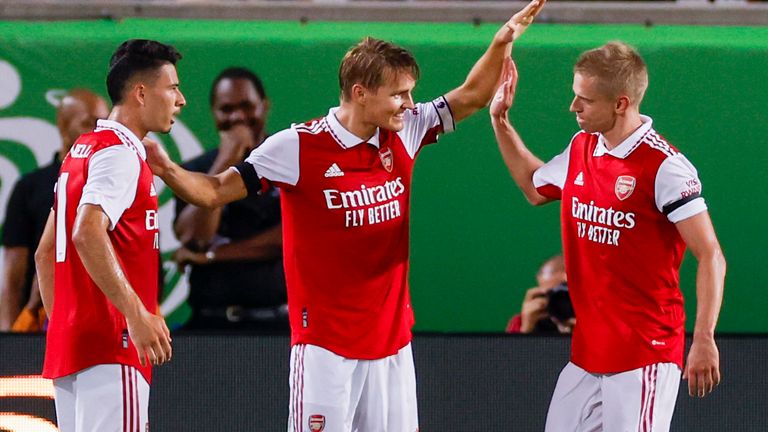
631, 203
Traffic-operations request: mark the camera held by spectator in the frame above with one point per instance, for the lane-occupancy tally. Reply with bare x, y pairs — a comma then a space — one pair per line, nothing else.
547, 307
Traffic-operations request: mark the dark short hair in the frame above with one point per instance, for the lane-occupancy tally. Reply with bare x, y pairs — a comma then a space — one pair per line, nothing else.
237, 72
136, 56
371, 62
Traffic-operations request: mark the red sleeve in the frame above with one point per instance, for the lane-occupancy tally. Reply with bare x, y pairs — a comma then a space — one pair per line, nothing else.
514, 324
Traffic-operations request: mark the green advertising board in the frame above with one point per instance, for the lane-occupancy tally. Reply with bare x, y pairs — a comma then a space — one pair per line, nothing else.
476, 243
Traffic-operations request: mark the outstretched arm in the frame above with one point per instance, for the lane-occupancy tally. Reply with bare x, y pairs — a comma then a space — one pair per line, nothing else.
263, 246
195, 188
519, 160
702, 370
478, 88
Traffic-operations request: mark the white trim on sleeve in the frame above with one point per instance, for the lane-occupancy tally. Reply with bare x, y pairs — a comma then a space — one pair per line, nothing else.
113, 177
691, 208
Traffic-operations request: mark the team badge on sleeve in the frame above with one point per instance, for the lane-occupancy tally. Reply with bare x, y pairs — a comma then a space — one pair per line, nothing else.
386, 158
316, 422
625, 185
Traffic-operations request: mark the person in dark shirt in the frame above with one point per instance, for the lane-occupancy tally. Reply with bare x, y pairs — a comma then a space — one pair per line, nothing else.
235, 252
27, 211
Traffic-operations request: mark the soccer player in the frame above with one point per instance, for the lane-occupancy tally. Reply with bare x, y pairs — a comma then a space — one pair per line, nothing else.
345, 184
102, 240
631, 203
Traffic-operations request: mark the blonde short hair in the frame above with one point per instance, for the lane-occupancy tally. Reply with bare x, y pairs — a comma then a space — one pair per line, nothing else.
371, 62
619, 70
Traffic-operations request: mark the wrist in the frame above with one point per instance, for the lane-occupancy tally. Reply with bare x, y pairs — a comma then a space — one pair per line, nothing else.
210, 256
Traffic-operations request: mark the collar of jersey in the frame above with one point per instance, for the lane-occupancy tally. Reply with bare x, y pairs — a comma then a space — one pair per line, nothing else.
126, 136
627, 146
345, 138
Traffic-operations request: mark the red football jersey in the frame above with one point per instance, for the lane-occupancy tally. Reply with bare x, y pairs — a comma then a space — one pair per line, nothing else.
85, 328
622, 249
345, 207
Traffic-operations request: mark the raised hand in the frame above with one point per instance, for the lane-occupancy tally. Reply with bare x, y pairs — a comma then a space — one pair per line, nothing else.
505, 94
235, 142
518, 24
151, 337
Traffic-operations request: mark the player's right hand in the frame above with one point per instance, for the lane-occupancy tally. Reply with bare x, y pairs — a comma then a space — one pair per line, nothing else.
518, 24
151, 337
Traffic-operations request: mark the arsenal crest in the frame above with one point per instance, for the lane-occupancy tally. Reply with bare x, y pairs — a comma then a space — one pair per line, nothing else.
316, 422
625, 185
387, 160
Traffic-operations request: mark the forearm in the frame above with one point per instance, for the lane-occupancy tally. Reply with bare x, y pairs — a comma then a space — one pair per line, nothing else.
261, 247
204, 190
482, 80
15, 264
710, 279
100, 261
520, 162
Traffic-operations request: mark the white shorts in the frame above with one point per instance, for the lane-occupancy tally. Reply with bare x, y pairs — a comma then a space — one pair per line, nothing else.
639, 400
102, 398
331, 393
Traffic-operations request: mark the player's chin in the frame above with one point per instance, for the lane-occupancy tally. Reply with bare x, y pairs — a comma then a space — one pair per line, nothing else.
396, 124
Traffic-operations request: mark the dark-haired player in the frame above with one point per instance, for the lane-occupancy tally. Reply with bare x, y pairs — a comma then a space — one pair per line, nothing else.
102, 240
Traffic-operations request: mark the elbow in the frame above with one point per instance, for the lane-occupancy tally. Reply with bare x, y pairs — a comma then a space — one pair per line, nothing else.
43, 253
536, 200
80, 236
720, 261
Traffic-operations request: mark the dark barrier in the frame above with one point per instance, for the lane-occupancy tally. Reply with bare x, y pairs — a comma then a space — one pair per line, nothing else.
467, 383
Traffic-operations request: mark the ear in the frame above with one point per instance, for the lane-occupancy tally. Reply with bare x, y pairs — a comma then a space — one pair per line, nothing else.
267, 104
622, 103
137, 93
358, 93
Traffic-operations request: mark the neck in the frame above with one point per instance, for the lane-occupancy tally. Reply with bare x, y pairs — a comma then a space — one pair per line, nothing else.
625, 126
352, 118
128, 119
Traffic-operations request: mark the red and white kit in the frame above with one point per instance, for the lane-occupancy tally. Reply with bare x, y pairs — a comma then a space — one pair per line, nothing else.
345, 205
86, 332
623, 251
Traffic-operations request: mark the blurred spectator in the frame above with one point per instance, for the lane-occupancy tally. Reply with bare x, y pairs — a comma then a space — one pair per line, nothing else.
235, 251
28, 208
546, 307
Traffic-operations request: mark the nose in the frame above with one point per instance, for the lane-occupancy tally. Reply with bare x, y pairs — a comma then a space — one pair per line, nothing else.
180, 100
236, 116
408, 101
574, 107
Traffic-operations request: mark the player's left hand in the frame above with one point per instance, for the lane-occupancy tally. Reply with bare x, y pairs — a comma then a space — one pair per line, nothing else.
702, 370
505, 94
518, 24
157, 157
